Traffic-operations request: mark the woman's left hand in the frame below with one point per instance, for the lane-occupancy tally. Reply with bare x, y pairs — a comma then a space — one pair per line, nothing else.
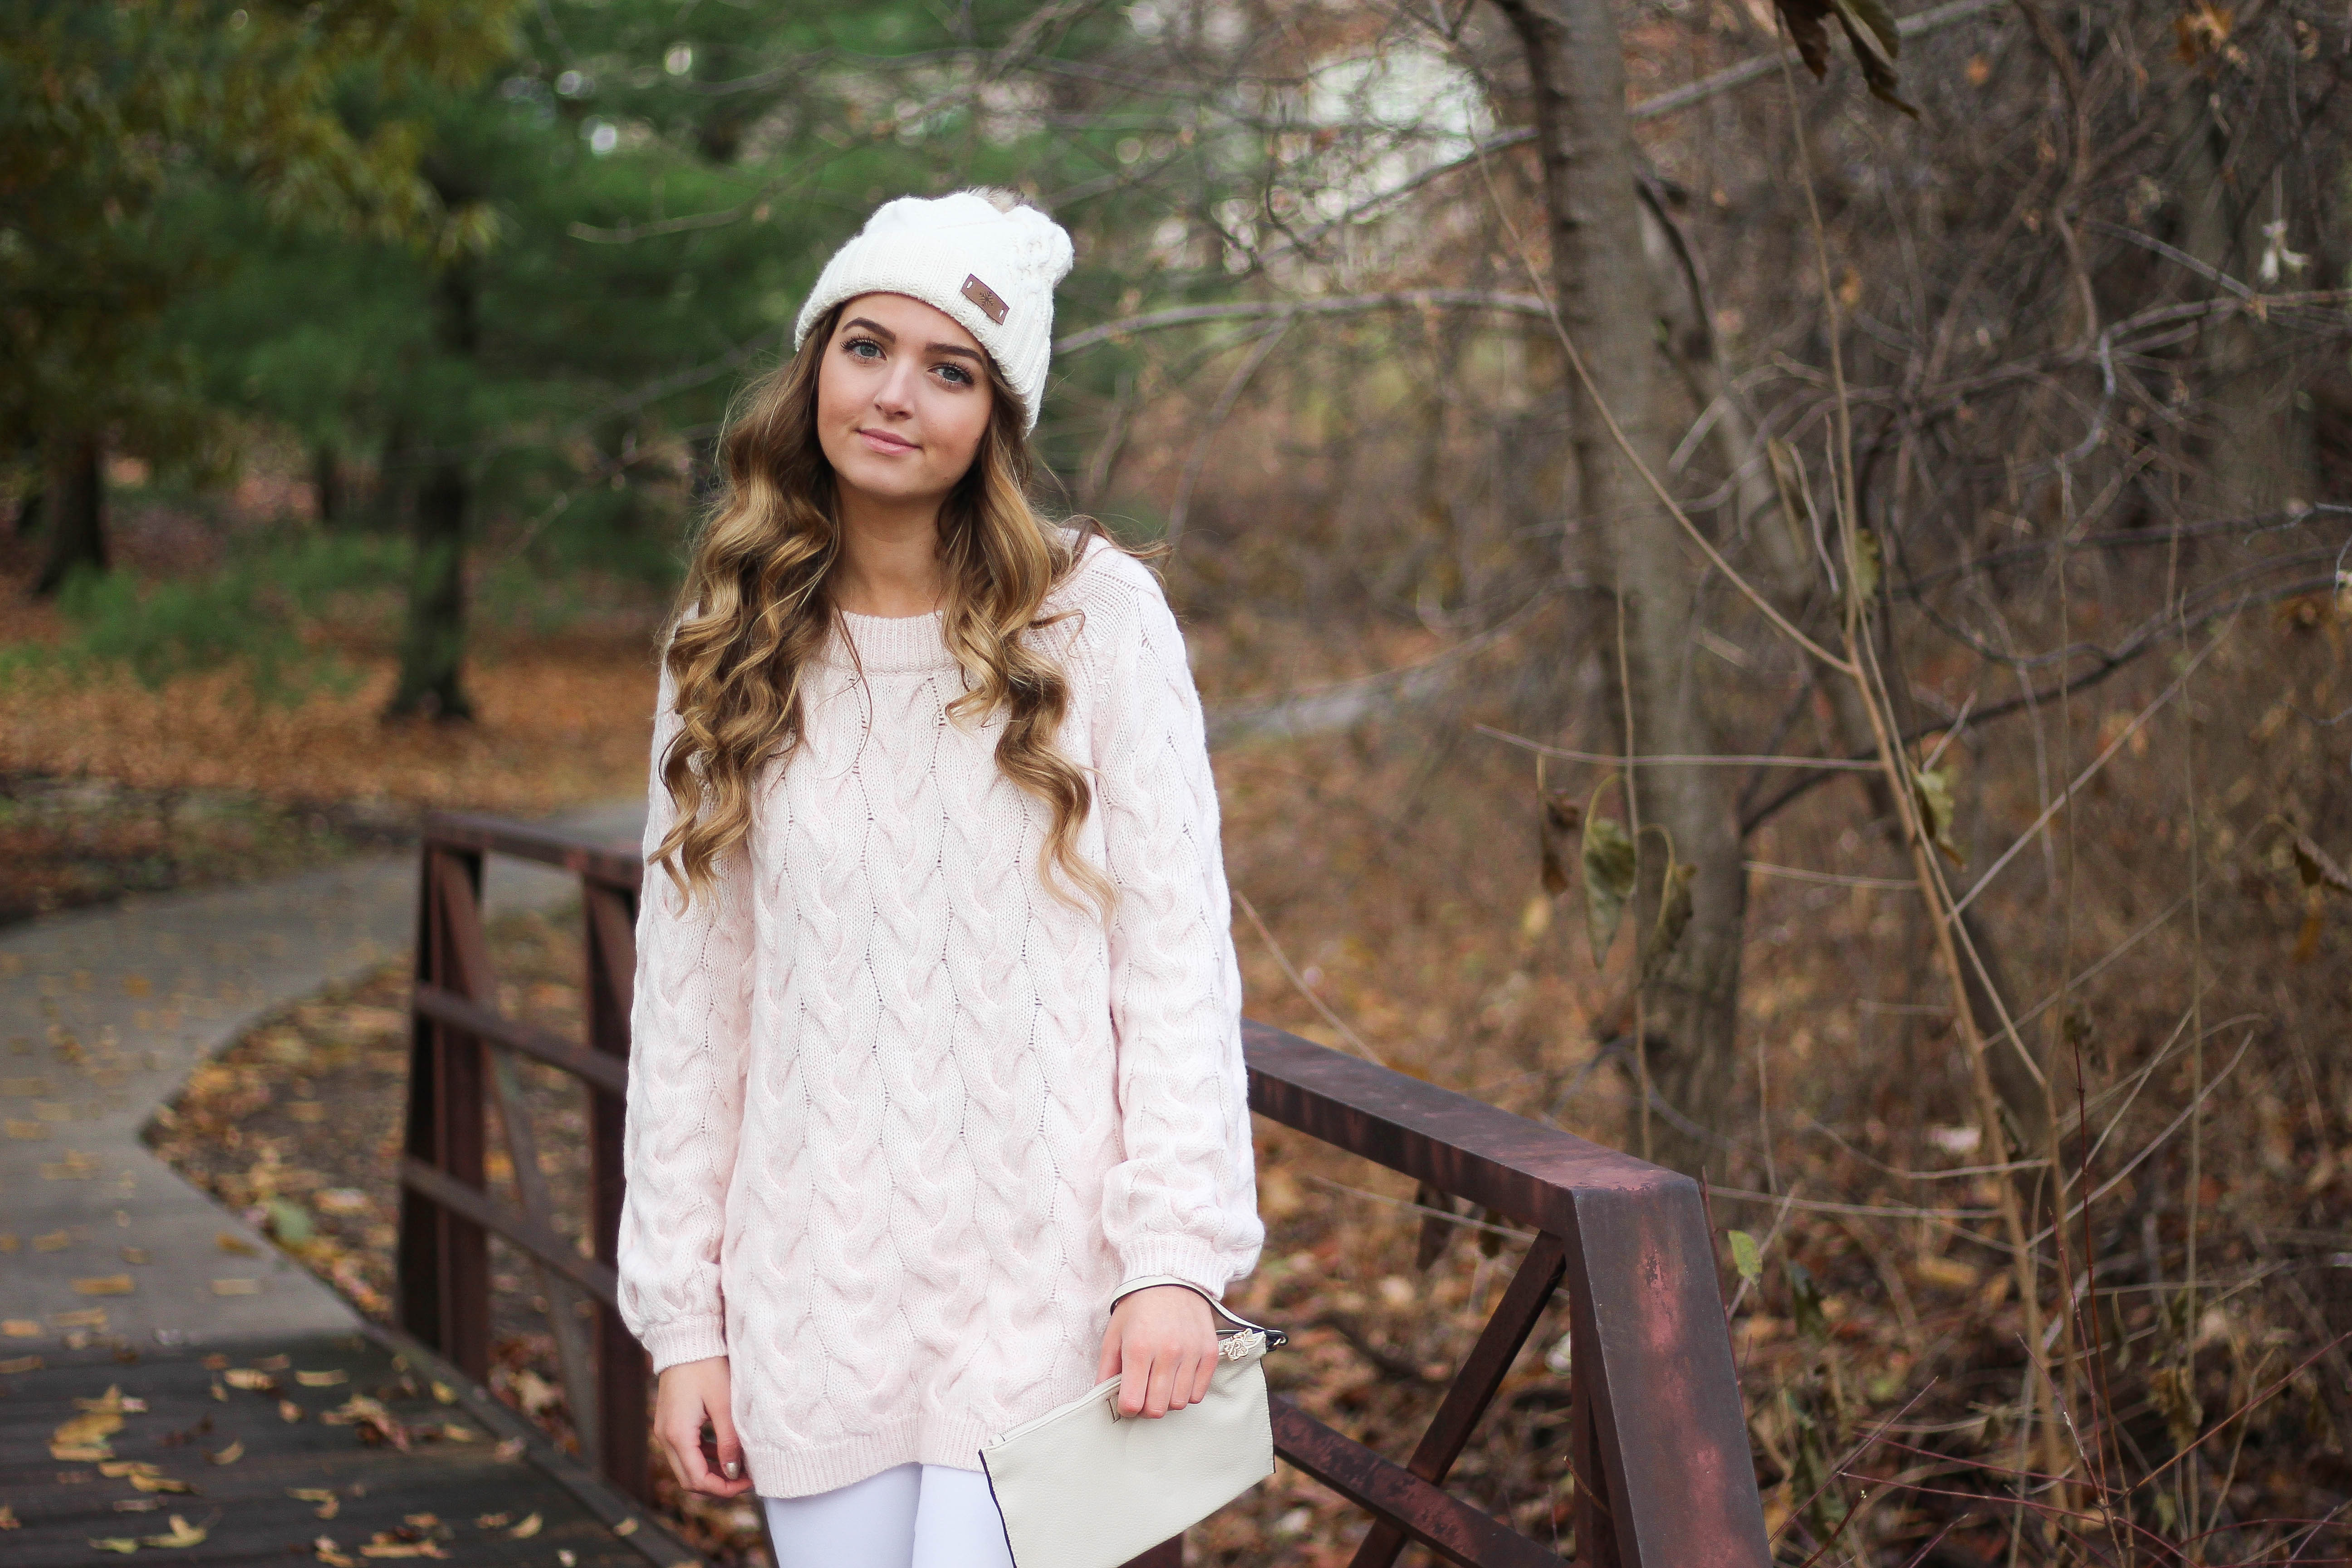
1163, 1343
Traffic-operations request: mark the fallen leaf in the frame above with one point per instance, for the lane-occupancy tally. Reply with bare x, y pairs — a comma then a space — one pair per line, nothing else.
137, 1504
162, 1484
324, 1549
288, 1411
236, 1244
21, 1364
236, 1286
9, 1520
183, 1534
328, 1503
381, 1548
84, 1437
80, 1317
56, 1241
105, 1285
252, 1378
122, 1543
218, 1392
421, 1520
327, 1378
566, 1556
111, 1401
444, 1392
527, 1529
507, 1451
21, 1329
230, 1454
625, 1529
370, 1415
115, 1470
455, 1432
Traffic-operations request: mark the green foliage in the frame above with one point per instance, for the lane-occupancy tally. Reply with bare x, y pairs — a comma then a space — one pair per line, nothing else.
1610, 865
251, 612
105, 109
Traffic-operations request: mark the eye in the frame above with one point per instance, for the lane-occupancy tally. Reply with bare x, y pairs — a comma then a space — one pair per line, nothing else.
956, 376
855, 348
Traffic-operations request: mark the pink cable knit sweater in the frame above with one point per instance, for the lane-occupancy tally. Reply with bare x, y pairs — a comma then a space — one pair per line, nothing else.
900, 1121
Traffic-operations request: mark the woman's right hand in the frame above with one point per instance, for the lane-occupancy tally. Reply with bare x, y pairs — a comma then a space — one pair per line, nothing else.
685, 1396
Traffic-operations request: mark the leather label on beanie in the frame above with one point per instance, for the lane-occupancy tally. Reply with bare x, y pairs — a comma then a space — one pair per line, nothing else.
980, 294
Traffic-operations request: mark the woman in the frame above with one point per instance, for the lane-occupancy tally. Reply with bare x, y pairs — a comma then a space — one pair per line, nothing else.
937, 1018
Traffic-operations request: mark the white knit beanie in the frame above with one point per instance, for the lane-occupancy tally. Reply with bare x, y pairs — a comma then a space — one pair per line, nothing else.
978, 255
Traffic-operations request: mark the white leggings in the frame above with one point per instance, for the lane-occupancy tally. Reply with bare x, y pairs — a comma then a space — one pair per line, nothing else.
909, 1516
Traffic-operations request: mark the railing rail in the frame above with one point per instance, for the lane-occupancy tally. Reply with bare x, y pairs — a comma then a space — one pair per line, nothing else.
462, 1054
1659, 1440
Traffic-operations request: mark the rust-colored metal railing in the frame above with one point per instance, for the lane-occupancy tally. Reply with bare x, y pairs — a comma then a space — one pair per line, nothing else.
462, 1056
1659, 1438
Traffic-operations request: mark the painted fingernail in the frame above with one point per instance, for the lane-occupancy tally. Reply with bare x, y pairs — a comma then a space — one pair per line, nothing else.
732, 1469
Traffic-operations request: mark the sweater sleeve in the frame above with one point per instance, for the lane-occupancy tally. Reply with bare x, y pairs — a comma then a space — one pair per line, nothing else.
1183, 1200
689, 1022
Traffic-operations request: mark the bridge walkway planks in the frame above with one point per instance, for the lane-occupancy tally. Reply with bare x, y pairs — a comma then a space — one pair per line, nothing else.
491, 1468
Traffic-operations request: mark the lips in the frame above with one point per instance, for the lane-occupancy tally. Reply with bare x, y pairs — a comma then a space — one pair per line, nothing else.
883, 441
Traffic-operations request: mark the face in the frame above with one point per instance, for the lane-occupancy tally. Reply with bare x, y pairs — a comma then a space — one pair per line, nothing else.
902, 399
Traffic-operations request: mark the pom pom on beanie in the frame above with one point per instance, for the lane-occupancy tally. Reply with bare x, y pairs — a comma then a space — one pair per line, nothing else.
981, 256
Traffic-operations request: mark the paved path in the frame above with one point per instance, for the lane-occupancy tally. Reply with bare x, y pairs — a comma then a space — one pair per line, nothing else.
102, 1016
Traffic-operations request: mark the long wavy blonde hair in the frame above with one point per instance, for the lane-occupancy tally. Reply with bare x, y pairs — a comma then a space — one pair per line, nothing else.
755, 610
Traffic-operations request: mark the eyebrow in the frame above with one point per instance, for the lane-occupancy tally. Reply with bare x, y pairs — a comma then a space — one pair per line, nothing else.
888, 336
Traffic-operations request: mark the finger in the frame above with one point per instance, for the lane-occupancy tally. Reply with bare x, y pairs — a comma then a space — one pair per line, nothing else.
1203, 1373
730, 1446
1107, 1364
685, 1445
1134, 1379
1163, 1385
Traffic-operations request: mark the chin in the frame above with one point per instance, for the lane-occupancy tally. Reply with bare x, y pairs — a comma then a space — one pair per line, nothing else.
888, 484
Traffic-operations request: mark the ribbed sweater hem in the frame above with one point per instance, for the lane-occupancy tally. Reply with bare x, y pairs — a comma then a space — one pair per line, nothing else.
1195, 1262
777, 1470
687, 1339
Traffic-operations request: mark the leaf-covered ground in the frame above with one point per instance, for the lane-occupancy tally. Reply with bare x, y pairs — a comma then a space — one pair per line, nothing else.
1881, 1341
109, 785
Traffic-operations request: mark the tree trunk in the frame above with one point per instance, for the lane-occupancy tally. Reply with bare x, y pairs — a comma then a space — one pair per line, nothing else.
2260, 458
76, 507
1795, 578
1576, 72
327, 489
433, 651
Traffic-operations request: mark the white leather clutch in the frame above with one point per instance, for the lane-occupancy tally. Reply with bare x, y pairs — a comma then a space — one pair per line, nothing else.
1085, 1487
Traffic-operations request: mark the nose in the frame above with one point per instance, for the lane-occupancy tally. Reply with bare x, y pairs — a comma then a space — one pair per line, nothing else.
896, 394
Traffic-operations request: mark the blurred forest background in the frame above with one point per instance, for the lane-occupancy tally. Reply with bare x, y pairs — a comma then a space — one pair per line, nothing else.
1787, 619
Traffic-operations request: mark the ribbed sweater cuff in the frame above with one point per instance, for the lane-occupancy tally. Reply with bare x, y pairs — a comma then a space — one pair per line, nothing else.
1191, 1261
687, 1339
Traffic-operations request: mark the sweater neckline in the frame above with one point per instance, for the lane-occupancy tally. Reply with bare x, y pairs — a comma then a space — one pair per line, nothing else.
889, 644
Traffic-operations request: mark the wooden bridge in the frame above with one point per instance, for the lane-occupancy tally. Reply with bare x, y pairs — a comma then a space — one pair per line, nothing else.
363, 1444
1659, 1440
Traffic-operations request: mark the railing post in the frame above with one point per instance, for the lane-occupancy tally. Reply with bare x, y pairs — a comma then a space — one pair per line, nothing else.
445, 1287
623, 1369
419, 1258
